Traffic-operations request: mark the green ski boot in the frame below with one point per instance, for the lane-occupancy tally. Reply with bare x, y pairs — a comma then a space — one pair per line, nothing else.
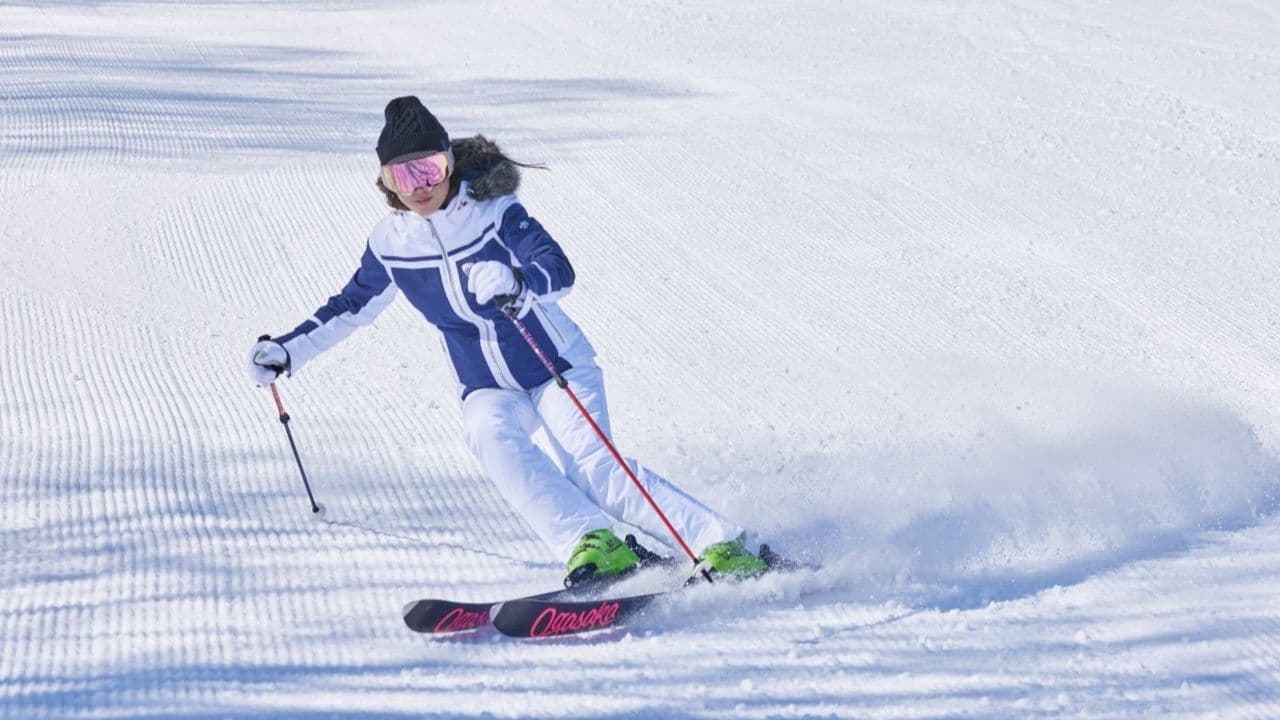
600, 555
732, 560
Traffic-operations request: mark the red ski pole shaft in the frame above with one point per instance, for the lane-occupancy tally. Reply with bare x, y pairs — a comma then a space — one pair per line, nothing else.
505, 303
284, 420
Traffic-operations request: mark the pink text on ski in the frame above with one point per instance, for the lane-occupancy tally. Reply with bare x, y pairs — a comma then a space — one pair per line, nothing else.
554, 622
462, 619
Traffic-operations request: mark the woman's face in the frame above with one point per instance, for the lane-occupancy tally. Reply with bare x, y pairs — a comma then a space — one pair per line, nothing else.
425, 201
422, 184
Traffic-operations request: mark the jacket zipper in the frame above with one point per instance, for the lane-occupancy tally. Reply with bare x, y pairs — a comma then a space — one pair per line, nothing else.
488, 336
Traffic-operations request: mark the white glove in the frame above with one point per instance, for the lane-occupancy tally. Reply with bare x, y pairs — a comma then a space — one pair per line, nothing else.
489, 279
267, 360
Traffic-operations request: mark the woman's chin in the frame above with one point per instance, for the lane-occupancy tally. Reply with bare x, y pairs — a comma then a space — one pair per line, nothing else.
425, 206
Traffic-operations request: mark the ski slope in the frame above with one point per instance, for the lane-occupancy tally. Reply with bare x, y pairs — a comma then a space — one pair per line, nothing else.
976, 301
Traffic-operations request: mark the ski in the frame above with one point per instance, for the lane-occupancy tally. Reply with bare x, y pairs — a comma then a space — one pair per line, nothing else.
535, 617
546, 617
440, 616
437, 616
562, 611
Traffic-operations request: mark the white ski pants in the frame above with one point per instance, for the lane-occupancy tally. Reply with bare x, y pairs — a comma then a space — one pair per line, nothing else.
588, 490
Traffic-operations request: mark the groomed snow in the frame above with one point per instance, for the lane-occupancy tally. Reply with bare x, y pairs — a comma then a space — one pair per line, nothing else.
978, 302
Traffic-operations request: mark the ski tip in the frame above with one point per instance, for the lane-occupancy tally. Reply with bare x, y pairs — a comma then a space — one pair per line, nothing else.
445, 616
408, 608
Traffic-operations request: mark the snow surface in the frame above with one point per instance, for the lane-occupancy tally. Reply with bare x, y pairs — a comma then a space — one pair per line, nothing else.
975, 300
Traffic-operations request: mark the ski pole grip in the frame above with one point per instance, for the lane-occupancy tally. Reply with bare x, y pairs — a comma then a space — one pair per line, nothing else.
275, 394
505, 302
278, 368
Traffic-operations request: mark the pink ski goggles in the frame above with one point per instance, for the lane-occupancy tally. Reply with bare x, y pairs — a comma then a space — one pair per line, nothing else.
424, 172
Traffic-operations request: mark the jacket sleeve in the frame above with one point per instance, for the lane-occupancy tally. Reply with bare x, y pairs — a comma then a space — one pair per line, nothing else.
366, 295
545, 269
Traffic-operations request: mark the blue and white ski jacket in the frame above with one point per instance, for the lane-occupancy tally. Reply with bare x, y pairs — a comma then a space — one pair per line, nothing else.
423, 257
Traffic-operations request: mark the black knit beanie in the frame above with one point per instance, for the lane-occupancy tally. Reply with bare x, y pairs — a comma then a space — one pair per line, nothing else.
410, 128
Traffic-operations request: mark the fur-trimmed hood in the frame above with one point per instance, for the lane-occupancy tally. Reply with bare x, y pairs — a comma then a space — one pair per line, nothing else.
488, 173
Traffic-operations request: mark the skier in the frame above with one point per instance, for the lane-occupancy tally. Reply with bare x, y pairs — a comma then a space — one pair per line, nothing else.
457, 240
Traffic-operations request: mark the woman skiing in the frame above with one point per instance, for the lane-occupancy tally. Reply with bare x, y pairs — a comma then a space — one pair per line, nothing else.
458, 239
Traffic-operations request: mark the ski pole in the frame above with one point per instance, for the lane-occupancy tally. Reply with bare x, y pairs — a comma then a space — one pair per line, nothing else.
284, 420
506, 303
